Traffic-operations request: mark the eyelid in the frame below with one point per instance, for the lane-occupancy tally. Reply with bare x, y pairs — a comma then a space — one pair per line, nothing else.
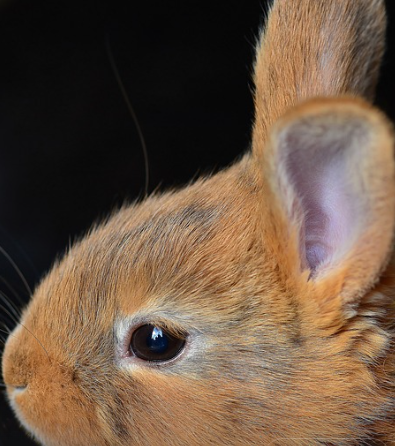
147, 342
125, 327
198, 345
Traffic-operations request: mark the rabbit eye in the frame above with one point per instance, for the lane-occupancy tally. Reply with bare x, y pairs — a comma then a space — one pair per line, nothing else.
152, 343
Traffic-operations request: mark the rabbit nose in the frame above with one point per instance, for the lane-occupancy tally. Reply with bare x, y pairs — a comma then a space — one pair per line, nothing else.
17, 366
12, 374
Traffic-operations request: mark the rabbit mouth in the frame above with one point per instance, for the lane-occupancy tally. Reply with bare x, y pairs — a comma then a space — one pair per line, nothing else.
14, 395
15, 391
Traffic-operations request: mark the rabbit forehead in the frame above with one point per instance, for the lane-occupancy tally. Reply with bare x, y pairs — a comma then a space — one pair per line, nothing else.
180, 252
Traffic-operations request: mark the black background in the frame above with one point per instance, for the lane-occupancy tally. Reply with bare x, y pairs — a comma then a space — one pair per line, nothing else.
69, 149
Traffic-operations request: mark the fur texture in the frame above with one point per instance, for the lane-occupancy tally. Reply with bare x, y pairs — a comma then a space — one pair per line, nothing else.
280, 269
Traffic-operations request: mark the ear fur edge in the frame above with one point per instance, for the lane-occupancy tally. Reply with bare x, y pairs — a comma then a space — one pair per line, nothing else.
356, 142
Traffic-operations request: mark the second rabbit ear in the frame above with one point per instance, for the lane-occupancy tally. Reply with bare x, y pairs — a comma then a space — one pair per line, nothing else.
330, 172
315, 48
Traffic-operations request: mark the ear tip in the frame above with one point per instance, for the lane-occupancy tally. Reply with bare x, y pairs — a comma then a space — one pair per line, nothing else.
342, 105
339, 112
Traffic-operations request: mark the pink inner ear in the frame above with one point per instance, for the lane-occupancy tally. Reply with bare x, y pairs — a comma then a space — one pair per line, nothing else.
316, 169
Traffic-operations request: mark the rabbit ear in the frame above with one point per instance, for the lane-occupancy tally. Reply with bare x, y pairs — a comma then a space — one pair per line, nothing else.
329, 169
316, 48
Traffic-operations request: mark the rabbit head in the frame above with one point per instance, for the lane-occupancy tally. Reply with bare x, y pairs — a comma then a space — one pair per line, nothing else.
255, 306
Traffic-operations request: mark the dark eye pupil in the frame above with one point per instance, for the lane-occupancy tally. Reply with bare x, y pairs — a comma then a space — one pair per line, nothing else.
153, 343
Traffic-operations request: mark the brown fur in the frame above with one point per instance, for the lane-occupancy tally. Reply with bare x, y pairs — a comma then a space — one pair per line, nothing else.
278, 353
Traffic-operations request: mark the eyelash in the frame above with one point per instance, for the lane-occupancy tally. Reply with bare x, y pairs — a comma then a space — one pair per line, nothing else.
151, 343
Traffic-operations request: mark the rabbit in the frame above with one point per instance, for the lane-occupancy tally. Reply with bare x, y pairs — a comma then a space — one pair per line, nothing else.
254, 306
